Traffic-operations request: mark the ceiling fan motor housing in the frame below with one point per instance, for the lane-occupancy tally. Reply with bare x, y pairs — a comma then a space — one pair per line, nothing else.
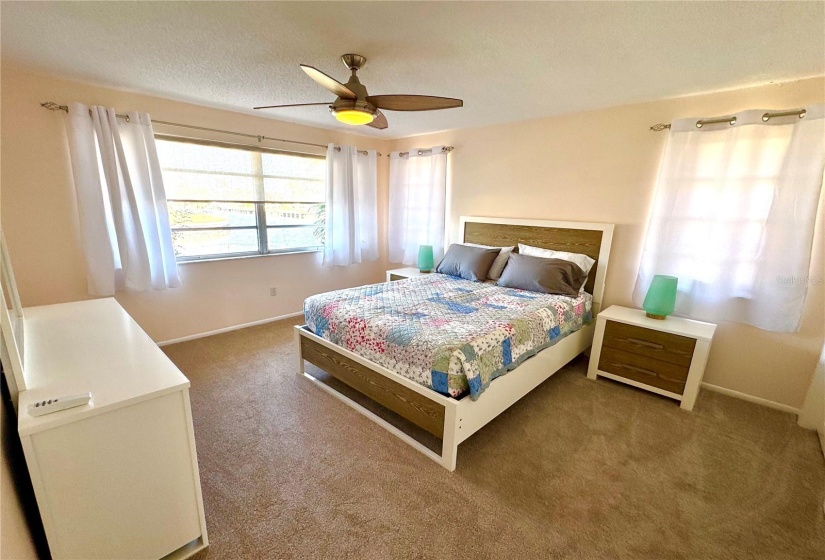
360, 91
352, 104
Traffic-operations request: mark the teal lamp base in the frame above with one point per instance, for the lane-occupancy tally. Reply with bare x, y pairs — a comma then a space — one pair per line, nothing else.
425, 259
661, 297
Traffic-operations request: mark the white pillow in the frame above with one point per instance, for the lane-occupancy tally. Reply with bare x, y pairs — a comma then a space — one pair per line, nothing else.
501, 260
583, 261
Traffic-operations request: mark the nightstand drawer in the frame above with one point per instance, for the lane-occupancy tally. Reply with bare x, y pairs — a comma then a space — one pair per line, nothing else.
658, 345
664, 375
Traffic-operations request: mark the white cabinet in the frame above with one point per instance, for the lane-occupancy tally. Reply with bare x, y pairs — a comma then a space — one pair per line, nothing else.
117, 478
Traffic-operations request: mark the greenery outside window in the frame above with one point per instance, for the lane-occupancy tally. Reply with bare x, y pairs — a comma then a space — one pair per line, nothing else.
228, 200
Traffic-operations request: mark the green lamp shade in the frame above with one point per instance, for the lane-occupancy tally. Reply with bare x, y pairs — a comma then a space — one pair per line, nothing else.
425, 258
661, 297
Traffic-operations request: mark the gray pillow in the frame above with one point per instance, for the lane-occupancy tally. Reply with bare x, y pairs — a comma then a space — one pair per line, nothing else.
539, 274
499, 263
471, 263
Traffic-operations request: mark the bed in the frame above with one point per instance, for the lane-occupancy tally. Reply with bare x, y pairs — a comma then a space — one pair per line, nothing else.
449, 354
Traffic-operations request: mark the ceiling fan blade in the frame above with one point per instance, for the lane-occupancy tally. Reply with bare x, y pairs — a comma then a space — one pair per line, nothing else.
291, 105
379, 122
329, 83
413, 102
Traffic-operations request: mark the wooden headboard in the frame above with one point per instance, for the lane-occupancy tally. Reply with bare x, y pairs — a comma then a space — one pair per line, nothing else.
591, 239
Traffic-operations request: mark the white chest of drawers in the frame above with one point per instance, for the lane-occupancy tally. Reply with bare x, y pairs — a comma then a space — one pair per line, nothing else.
117, 478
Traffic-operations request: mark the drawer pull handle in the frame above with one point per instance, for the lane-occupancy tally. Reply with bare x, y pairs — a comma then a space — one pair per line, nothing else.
639, 370
638, 342
648, 372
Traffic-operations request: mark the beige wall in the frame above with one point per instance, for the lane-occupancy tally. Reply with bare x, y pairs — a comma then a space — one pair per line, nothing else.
601, 166
594, 166
40, 218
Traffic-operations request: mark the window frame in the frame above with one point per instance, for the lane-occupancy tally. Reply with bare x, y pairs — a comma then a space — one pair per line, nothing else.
261, 227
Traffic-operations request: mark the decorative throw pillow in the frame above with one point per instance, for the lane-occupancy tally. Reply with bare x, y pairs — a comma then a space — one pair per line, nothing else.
470, 263
540, 274
499, 263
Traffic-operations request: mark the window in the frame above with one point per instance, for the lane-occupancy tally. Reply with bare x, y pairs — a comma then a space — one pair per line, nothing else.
228, 201
418, 195
722, 207
733, 217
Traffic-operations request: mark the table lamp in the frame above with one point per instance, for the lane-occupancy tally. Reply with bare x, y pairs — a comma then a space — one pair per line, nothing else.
661, 297
425, 258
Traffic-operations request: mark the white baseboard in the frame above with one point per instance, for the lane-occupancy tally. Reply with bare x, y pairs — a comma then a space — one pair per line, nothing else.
750, 398
228, 329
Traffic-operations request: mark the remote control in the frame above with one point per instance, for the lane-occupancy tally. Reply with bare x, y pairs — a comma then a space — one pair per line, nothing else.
48, 406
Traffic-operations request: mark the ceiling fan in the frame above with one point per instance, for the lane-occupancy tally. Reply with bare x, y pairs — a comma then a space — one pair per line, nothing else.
354, 106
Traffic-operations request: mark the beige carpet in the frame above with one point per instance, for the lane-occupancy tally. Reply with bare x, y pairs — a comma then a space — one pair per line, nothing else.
577, 469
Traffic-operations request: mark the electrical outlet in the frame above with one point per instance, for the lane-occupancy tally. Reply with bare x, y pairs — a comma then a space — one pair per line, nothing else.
273, 291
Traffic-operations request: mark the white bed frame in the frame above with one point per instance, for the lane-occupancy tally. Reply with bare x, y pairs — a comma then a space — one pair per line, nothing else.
463, 417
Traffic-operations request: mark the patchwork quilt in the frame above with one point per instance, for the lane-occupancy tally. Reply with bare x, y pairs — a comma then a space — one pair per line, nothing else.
446, 333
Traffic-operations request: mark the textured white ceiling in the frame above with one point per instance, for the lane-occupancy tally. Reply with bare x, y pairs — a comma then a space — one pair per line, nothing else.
509, 61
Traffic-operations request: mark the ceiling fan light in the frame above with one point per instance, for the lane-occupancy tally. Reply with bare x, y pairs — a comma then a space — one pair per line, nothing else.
354, 116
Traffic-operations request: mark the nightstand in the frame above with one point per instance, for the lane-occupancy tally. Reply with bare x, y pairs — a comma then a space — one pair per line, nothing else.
666, 357
402, 273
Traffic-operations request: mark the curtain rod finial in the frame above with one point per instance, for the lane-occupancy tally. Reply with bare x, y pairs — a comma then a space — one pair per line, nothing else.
52, 106
659, 127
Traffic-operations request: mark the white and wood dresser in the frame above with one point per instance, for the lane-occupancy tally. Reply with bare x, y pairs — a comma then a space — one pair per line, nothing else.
666, 357
117, 478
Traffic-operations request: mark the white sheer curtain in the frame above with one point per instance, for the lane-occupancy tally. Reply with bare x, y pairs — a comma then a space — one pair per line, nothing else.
352, 210
124, 224
733, 217
418, 197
